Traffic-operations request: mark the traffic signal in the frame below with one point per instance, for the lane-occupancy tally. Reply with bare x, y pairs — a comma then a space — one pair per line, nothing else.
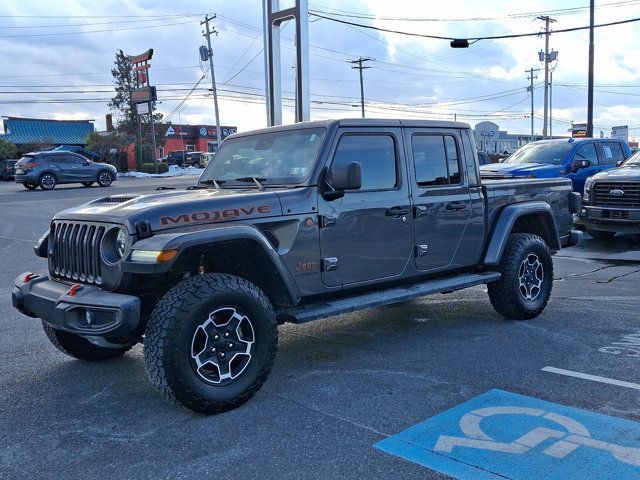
459, 43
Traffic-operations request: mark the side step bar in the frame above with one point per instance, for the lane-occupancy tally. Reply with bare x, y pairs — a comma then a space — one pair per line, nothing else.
330, 308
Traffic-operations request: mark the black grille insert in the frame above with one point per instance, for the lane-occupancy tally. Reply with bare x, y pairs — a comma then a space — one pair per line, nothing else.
75, 251
607, 194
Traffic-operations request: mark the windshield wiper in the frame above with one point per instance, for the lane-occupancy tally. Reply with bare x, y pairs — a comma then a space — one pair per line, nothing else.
255, 180
214, 182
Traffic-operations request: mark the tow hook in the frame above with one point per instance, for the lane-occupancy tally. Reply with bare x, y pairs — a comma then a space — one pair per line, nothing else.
29, 276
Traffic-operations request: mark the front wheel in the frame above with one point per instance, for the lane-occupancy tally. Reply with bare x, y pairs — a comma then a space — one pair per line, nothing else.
601, 234
105, 178
211, 342
527, 278
78, 347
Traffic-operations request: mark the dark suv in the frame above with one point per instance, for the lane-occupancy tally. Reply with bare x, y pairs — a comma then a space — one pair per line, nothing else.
47, 169
7, 169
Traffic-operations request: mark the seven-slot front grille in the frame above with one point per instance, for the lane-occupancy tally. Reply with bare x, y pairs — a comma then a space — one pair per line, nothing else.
76, 251
603, 196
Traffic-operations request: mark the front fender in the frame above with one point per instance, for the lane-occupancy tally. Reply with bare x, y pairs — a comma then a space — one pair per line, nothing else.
506, 221
182, 242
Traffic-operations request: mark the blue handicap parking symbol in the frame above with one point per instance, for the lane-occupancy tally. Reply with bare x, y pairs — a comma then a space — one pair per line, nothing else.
504, 435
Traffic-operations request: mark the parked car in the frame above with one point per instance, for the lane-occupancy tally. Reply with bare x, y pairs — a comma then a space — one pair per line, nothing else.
184, 158
50, 168
205, 158
290, 224
7, 169
88, 154
611, 201
573, 158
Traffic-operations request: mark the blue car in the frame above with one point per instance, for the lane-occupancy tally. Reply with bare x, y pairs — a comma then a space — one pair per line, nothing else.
574, 158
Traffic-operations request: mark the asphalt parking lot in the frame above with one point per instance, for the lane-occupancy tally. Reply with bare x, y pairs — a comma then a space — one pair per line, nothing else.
339, 386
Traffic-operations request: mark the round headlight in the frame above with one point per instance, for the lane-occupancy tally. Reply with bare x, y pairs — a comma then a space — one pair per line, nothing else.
121, 243
114, 245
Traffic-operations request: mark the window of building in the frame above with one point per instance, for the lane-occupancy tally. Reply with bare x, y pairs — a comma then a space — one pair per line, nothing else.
376, 155
191, 147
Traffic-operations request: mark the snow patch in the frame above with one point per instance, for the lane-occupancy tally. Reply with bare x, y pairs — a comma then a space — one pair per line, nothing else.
174, 171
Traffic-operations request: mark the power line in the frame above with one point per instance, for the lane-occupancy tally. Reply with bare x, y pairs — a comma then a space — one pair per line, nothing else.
56, 34
559, 11
471, 39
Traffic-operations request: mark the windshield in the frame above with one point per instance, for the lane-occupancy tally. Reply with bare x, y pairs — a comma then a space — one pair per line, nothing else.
549, 152
283, 157
633, 160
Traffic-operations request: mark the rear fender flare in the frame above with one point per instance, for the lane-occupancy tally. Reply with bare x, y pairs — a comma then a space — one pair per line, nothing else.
507, 219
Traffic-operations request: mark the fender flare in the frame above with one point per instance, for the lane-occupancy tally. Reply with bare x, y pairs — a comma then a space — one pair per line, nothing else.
184, 241
503, 226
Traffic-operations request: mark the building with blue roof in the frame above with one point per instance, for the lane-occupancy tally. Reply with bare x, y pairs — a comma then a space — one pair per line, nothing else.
29, 133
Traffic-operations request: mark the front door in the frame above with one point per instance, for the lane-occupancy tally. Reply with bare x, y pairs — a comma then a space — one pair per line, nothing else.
367, 234
442, 203
586, 151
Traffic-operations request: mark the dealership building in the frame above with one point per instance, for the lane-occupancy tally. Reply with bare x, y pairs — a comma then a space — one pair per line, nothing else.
490, 139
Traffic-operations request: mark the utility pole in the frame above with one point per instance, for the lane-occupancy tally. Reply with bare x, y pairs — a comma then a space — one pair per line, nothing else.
547, 20
590, 82
213, 76
530, 89
360, 67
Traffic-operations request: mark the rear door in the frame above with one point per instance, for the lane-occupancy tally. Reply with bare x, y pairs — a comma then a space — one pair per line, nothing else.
367, 234
442, 202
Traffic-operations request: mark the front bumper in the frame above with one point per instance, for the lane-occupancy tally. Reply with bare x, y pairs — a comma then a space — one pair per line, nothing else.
608, 219
89, 311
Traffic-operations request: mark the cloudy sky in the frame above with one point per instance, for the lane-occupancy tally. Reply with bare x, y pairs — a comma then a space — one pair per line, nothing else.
56, 58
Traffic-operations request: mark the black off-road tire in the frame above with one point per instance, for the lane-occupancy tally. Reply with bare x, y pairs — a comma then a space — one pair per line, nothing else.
170, 332
47, 181
87, 184
601, 234
505, 294
30, 186
77, 347
105, 178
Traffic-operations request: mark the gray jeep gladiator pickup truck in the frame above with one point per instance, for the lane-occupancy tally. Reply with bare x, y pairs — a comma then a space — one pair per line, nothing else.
290, 224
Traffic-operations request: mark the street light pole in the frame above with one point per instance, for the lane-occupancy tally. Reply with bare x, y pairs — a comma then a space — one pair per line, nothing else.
590, 82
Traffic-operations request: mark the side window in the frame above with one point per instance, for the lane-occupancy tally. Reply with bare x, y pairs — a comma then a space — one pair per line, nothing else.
436, 159
376, 155
56, 159
611, 153
587, 152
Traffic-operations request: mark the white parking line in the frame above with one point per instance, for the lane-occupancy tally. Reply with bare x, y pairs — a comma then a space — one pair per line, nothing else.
595, 378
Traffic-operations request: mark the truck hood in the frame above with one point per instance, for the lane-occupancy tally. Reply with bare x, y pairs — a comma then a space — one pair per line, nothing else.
543, 170
175, 209
622, 174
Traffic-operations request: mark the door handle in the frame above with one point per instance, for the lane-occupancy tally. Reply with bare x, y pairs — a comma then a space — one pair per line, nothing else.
455, 206
396, 211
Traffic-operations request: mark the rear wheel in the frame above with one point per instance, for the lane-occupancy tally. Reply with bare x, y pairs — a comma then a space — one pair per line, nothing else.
105, 178
47, 181
30, 186
211, 342
527, 278
601, 234
78, 347
87, 184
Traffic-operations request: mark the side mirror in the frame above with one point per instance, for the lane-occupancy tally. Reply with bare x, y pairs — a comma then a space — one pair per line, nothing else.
341, 177
619, 163
578, 164
345, 176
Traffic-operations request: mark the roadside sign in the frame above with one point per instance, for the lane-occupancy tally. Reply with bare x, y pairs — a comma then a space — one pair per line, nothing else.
143, 108
579, 130
620, 133
501, 435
